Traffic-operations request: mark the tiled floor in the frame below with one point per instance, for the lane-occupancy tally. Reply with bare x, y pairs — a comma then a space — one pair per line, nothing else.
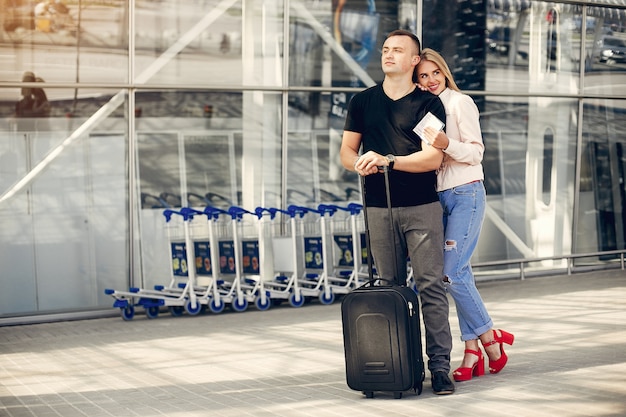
569, 359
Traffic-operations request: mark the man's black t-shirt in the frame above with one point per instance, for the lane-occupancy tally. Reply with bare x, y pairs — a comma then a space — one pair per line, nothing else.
386, 127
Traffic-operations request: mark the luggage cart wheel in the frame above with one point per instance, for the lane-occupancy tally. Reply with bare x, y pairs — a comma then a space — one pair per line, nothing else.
294, 302
176, 311
263, 305
369, 394
191, 310
152, 312
128, 312
324, 299
239, 306
216, 308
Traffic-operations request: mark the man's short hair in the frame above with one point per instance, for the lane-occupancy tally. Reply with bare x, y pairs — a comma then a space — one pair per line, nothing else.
403, 32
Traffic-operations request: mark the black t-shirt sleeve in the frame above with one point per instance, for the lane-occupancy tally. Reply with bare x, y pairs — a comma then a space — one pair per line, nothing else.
354, 117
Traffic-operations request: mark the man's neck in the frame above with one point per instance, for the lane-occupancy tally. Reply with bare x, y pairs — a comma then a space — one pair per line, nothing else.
395, 89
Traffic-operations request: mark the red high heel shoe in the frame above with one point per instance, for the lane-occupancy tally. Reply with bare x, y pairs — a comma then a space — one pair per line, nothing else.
465, 374
504, 337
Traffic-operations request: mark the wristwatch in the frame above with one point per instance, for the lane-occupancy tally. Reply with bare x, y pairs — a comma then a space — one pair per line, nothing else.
391, 159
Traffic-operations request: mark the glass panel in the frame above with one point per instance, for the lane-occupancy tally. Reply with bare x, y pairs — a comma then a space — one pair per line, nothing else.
504, 124
532, 46
605, 51
188, 156
191, 43
314, 171
601, 222
457, 31
65, 42
63, 205
351, 50
524, 219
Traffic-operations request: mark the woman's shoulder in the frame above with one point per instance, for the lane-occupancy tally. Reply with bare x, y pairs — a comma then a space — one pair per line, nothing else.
458, 98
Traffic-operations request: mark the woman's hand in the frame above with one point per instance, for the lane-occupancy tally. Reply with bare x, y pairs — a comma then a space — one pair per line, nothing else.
436, 138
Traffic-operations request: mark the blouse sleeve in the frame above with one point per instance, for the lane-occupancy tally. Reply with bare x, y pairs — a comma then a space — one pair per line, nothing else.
469, 146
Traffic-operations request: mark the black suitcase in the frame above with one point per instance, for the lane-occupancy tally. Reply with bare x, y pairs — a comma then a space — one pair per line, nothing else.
382, 339
381, 333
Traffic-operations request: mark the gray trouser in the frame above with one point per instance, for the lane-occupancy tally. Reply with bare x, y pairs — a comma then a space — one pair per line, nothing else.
418, 233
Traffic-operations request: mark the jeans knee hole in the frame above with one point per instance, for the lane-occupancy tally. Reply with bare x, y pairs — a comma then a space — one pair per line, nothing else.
450, 245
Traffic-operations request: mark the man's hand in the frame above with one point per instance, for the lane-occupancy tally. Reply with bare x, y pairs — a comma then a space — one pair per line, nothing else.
369, 163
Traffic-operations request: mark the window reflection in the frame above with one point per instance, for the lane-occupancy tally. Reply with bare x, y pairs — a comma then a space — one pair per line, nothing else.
605, 46
66, 41
548, 152
64, 203
238, 147
602, 191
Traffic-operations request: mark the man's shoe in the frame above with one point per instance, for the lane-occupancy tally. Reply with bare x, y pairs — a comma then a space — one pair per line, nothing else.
441, 383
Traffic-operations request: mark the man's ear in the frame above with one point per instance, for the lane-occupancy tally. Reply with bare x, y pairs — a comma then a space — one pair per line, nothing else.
416, 60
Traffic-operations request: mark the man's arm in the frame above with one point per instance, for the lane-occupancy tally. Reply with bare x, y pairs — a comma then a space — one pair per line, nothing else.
349, 152
428, 159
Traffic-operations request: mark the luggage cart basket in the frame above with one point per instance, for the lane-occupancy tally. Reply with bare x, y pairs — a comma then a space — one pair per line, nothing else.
280, 270
233, 290
343, 236
205, 246
179, 295
250, 243
314, 280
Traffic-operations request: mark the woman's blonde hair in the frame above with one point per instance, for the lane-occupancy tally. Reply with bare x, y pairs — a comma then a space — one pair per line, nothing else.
435, 57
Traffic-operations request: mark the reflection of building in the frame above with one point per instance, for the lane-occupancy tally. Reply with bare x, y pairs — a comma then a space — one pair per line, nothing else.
185, 120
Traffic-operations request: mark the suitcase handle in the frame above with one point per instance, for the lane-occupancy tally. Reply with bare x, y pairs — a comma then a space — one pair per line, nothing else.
372, 282
370, 264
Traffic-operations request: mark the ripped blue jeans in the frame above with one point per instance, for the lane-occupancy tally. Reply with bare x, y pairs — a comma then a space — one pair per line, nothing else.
463, 215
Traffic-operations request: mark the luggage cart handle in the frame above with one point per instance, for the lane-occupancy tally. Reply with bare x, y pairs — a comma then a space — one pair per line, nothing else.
272, 211
186, 214
236, 213
213, 212
355, 208
327, 208
300, 210
352, 208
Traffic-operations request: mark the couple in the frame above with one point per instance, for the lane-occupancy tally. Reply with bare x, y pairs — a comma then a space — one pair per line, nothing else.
438, 177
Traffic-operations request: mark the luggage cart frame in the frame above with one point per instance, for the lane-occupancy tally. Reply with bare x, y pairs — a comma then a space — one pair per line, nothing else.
177, 296
344, 278
315, 284
283, 285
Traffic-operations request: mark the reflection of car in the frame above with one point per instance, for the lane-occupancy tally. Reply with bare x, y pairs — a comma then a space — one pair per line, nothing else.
612, 50
499, 40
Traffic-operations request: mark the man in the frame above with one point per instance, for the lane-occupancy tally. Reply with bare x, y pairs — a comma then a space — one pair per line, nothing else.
24, 107
380, 120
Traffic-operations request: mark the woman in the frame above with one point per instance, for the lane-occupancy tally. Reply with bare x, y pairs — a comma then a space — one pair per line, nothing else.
462, 196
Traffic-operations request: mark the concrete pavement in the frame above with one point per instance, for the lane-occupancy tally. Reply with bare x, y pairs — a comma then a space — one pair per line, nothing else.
569, 359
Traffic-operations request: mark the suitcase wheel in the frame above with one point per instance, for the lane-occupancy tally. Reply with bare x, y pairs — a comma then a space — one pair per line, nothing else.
369, 394
397, 395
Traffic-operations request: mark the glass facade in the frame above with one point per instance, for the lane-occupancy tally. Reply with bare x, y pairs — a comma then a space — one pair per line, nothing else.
113, 111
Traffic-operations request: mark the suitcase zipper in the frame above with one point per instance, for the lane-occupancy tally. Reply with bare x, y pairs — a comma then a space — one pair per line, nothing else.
411, 311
